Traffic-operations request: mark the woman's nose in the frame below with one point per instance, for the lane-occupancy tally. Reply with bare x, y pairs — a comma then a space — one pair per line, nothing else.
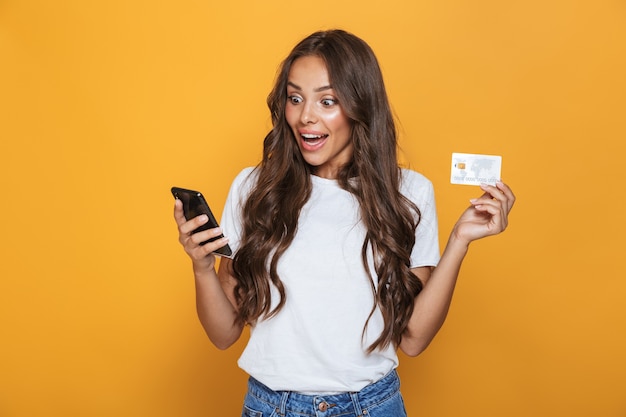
308, 115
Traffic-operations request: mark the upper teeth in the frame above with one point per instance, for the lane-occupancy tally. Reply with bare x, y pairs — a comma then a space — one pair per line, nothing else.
309, 136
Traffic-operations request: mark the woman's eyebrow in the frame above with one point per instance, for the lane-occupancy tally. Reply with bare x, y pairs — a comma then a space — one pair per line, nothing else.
317, 90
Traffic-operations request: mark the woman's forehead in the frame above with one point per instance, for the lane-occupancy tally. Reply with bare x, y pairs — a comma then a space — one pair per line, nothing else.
309, 73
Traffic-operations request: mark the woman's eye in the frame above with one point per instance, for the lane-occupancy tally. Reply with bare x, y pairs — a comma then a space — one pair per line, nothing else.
329, 101
294, 99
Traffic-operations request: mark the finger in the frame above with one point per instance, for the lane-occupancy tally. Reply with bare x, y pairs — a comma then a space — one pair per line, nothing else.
487, 198
490, 205
495, 209
482, 199
200, 252
215, 245
508, 193
495, 221
502, 193
205, 235
187, 227
179, 215
493, 191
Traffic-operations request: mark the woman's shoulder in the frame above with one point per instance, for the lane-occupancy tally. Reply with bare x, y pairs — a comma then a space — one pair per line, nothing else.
243, 183
416, 187
413, 179
246, 177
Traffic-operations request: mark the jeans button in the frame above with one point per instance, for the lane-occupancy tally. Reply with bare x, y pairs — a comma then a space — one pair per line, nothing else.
323, 406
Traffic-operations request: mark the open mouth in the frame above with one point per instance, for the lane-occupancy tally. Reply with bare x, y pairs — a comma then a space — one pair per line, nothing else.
313, 140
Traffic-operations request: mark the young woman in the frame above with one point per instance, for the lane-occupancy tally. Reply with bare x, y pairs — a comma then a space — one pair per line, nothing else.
337, 261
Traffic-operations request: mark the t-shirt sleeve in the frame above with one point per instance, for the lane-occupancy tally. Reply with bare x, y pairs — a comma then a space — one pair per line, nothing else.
420, 190
231, 223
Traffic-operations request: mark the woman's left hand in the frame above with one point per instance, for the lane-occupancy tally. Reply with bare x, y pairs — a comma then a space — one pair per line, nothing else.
487, 215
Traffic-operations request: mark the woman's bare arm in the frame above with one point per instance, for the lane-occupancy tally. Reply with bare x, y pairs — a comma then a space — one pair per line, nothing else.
215, 301
487, 215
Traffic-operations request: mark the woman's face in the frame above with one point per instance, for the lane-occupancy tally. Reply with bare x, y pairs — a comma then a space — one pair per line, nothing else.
319, 125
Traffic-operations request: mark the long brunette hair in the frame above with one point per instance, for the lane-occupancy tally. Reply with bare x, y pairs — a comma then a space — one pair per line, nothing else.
271, 211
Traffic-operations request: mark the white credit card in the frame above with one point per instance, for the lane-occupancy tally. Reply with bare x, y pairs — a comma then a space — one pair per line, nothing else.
474, 169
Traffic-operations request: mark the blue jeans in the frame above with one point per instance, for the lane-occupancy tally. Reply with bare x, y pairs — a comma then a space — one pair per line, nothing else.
380, 399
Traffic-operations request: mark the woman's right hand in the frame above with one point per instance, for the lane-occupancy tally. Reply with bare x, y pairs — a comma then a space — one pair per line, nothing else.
215, 300
201, 255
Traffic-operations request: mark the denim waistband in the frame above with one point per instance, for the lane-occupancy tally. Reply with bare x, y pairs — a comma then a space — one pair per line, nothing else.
331, 405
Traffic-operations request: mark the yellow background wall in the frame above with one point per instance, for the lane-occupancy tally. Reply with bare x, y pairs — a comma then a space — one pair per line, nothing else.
106, 104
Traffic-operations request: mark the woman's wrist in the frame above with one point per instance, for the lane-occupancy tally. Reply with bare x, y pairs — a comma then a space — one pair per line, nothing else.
457, 243
202, 271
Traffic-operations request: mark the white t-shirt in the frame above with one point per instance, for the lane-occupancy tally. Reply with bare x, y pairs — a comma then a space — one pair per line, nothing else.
316, 342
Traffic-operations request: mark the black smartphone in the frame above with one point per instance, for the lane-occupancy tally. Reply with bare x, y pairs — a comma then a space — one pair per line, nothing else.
194, 205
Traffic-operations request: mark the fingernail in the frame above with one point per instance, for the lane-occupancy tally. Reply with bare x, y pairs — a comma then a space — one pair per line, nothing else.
203, 218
